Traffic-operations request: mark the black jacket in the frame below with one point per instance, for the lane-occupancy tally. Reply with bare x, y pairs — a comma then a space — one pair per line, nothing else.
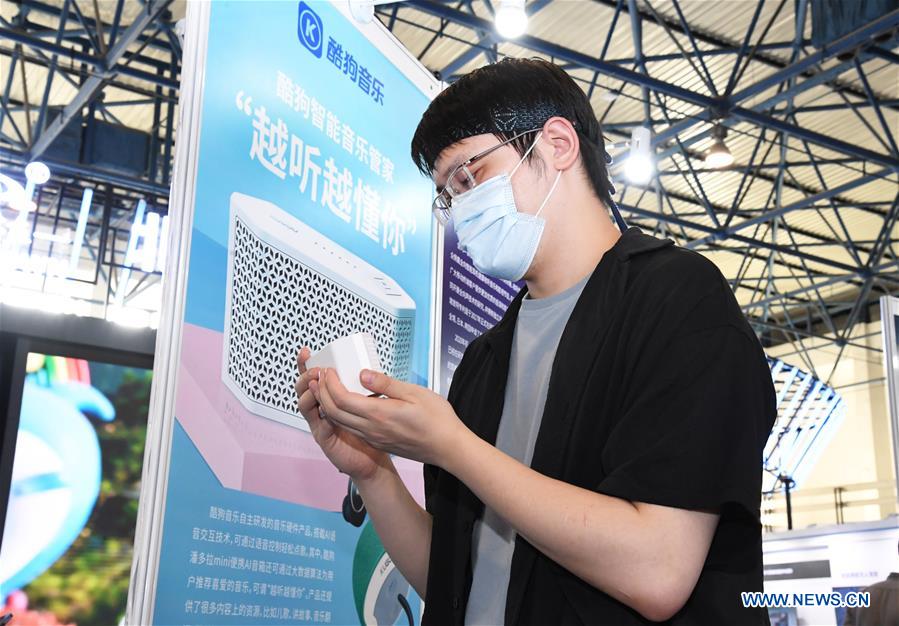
659, 393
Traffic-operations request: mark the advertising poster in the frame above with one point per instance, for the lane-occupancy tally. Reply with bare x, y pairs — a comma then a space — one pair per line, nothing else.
309, 222
471, 303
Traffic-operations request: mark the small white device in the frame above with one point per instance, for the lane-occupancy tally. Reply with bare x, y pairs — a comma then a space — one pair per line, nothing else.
348, 356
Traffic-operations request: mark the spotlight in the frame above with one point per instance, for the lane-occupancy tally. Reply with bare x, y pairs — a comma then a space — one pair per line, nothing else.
719, 155
511, 20
37, 172
639, 166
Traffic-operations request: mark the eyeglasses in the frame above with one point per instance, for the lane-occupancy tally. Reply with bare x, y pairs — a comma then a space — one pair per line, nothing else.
461, 180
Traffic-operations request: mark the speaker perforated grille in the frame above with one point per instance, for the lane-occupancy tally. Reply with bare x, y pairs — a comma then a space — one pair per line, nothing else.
279, 304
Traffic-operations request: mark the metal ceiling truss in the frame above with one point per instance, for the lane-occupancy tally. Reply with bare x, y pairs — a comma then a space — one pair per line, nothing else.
71, 43
766, 234
113, 69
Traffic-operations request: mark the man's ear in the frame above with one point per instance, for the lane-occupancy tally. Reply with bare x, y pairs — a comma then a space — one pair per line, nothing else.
564, 144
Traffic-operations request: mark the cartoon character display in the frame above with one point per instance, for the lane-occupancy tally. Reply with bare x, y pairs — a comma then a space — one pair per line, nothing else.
56, 471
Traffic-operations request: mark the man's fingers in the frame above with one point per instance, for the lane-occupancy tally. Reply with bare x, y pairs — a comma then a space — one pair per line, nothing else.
302, 383
320, 427
355, 403
307, 402
302, 356
311, 410
382, 384
335, 412
301, 360
352, 431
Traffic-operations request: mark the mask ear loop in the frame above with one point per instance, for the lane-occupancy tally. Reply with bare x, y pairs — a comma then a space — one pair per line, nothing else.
527, 152
555, 182
551, 190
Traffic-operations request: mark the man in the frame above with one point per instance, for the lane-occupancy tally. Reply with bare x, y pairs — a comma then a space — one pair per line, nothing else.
598, 460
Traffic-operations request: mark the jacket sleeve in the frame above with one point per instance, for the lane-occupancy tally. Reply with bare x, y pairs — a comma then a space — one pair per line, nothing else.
693, 423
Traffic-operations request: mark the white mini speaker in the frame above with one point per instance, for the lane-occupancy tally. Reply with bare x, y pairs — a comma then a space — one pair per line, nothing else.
290, 286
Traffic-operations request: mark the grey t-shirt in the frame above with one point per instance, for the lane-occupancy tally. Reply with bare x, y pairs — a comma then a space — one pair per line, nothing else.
537, 332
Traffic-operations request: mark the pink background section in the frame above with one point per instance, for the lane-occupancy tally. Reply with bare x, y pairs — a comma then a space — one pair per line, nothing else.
252, 453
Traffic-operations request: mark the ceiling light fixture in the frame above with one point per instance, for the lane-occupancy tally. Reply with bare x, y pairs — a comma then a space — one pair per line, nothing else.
639, 166
511, 20
36, 173
719, 155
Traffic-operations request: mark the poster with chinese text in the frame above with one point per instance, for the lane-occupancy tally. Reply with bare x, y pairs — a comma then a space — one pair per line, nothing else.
309, 222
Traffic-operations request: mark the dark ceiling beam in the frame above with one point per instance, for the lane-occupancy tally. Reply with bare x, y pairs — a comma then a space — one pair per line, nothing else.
679, 56
91, 23
79, 41
718, 107
765, 245
730, 231
44, 61
21, 159
721, 42
96, 62
94, 84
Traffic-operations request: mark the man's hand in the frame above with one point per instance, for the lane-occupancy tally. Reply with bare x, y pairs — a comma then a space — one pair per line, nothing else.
348, 453
402, 525
411, 421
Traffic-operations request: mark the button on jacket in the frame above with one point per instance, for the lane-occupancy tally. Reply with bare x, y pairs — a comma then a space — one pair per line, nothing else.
659, 393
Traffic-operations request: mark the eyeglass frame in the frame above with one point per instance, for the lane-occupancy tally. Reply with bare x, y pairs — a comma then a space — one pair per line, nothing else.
447, 194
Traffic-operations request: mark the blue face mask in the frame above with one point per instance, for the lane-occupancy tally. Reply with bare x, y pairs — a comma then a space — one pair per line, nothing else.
500, 240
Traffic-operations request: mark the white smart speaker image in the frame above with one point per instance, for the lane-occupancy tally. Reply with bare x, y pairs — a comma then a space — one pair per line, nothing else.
289, 286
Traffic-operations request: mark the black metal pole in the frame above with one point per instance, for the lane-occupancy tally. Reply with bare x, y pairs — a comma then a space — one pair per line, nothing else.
788, 484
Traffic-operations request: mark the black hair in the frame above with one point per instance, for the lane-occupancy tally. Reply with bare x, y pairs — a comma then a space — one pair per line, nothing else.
507, 98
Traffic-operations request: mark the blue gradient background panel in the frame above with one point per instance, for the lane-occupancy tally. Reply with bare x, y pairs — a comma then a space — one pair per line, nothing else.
249, 45
185, 593
254, 49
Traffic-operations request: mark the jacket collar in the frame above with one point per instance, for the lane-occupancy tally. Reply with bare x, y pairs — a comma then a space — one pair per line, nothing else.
632, 242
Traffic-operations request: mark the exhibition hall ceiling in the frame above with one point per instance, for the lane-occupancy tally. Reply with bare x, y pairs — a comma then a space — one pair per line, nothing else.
802, 223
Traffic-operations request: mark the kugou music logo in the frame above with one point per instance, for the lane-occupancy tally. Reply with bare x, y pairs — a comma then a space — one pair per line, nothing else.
309, 29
